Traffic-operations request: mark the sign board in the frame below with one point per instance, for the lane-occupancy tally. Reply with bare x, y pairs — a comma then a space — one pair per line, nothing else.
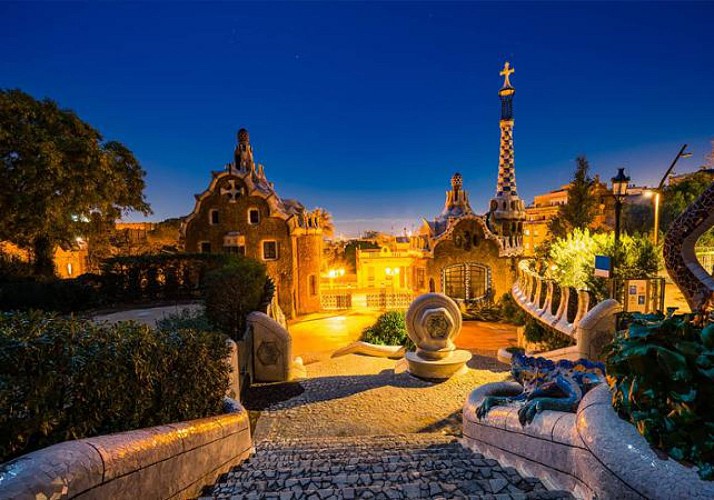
603, 266
637, 296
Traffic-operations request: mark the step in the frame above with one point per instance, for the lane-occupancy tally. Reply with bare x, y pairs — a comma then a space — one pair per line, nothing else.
326, 468
414, 489
470, 481
277, 461
334, 450
357, 445
365, 442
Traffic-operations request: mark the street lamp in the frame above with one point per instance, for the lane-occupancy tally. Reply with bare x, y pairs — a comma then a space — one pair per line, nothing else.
658, 191
619, 190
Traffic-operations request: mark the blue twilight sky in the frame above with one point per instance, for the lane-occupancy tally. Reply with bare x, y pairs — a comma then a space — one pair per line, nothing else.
367, 109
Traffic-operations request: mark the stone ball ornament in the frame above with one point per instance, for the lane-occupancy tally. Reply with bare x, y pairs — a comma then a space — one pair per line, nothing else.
433, 320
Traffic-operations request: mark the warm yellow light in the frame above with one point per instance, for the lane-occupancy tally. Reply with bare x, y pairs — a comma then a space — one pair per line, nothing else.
331, 273
648, 193
341, 271
396, 270
388, 271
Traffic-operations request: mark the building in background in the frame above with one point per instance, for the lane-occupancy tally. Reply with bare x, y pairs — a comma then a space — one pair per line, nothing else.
241, 213
467, 256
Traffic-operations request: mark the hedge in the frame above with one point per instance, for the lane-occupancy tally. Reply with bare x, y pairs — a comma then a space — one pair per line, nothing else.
233, 291
124, 280
159, 277
65, 378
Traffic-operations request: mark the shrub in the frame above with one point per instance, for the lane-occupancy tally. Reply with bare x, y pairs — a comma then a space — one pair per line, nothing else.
64, 296
389, 329
65, 378
157, 277
510, 311
662, 375
232, 292
505, 310
549, 338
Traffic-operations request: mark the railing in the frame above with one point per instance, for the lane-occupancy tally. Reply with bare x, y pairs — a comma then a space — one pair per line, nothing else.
370, 299
569, 311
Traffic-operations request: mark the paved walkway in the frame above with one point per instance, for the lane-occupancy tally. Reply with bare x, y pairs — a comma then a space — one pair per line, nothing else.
361, 427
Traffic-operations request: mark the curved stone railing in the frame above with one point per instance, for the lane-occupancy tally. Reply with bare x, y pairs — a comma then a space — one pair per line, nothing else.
571, 312
592, 453
169, 461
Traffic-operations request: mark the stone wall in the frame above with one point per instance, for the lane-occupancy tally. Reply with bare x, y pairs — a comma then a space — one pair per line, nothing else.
169, 461
592, 453
309, 255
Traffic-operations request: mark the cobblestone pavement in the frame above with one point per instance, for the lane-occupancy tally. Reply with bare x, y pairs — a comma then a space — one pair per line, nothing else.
361, 427
397, 466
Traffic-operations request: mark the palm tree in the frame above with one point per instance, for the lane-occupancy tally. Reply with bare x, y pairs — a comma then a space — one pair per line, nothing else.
325, 221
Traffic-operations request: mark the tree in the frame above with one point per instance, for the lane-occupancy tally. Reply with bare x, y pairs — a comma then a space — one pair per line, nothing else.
579, 211
573, 259
326, 223
57, 171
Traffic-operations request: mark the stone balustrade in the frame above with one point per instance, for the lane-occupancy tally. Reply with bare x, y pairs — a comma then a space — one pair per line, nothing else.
592, 453
572, 312
168, 461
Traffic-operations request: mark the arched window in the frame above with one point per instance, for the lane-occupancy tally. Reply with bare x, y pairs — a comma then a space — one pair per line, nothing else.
469, 281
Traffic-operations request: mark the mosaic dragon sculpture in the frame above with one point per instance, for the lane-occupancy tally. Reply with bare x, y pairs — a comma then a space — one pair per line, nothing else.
696, 284
547, 385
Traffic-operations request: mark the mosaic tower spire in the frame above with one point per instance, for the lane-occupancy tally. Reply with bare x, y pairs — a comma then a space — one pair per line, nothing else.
507, 210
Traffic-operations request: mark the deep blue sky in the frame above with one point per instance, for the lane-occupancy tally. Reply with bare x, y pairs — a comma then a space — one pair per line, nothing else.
368, 109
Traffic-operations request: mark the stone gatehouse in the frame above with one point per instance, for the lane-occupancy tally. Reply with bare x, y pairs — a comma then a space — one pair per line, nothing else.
240, 212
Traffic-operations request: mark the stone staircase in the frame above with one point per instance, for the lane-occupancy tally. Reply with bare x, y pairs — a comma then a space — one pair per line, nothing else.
400, 466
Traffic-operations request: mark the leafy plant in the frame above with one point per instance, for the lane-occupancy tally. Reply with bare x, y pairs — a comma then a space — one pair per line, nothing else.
389, 329
573, 259
549, 338
505, 310
232, 292
65, 378
662, 375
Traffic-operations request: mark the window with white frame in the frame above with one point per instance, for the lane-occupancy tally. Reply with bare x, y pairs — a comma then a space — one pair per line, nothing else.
213, 217
253, 216
270, 250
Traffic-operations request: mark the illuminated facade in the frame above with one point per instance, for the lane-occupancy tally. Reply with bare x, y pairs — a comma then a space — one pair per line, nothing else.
241, 213
467, 256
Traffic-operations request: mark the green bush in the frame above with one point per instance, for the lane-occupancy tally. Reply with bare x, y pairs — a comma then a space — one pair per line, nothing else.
61, 295
505, 310
232, 292
662, 375
65, 378
389, 329
549, 338
158, 276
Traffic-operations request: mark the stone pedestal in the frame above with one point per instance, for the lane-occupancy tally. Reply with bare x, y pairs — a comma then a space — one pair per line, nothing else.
433, 321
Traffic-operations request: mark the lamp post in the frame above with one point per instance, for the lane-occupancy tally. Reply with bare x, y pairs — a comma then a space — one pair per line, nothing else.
619, 190
658, 191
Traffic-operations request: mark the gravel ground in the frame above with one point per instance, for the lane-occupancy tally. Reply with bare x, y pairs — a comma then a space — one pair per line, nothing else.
358, 395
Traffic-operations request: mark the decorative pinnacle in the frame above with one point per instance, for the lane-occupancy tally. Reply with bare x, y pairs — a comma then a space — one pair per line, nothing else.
243, 137
457, 181
506, 73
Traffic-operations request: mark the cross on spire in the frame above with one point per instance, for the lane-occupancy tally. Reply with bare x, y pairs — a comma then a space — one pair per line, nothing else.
506, 73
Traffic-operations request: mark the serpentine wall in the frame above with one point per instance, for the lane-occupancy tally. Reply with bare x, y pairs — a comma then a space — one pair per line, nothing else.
572, 312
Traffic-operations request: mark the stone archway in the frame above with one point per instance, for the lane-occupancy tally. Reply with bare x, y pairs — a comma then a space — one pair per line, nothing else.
466, 281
